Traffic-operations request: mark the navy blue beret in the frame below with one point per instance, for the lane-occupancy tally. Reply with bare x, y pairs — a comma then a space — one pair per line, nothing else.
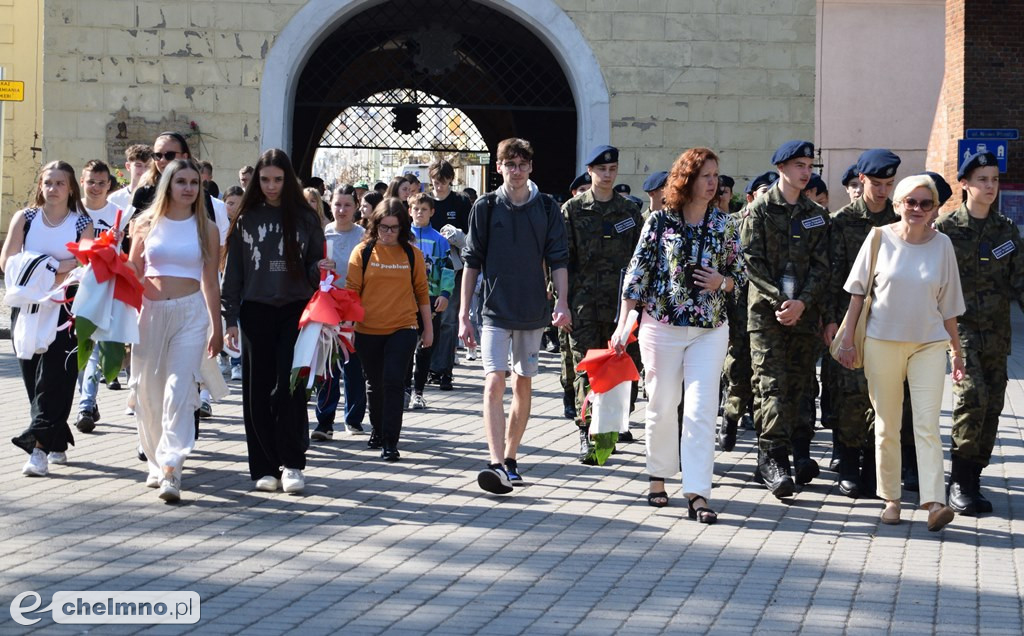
603, 154
977, 160
655, 180
816, 183
792, 150
636, 200
726, 182
941, 186
849, 175
763, 179
878, 162
583, 179
622, 188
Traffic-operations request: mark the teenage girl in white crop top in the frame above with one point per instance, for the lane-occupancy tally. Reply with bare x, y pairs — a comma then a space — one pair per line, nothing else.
50, 376
176, 248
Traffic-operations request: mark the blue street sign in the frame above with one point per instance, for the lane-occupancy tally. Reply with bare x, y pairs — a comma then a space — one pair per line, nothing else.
999, 147
992, 133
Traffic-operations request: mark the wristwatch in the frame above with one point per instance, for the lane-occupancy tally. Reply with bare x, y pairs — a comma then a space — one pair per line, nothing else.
722, 286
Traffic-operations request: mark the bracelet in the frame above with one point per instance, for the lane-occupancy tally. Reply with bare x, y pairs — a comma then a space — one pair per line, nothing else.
842, 348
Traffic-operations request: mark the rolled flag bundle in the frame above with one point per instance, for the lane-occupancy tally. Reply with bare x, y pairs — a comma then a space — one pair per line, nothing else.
106, 306
611, 375
325, 331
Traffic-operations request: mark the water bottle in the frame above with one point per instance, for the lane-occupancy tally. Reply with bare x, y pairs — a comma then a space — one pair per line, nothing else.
789, 281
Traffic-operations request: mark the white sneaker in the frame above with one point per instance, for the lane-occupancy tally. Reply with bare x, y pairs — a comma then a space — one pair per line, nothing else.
129, 411
223, 364
418, 402
236, 372
36, 466
471, 353
152, 480
170, 489
57, 458
292, 480
268, 484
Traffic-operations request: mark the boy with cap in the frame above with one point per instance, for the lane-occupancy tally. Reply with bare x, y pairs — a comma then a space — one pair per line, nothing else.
654, 186
760, 184
853, 186
785, 238
602, 229
851, 225
817, 191
989, 256
513, 233
725, 186
567, 378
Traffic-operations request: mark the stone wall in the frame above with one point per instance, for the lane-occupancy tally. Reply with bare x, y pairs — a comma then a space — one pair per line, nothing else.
736, 75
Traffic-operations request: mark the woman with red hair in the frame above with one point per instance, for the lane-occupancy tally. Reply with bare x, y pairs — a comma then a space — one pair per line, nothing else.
687, 261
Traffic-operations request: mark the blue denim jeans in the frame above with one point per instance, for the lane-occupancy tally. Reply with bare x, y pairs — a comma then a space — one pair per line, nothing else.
89, 382
355, 394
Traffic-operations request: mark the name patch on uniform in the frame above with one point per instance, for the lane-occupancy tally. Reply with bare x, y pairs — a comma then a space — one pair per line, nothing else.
624, 225
1004, 249
813, 222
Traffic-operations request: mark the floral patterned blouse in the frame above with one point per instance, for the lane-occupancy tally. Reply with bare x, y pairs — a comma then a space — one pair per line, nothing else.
655, 278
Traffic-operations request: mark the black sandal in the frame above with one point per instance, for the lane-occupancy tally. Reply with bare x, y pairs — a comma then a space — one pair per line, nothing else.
702, 514
657, 499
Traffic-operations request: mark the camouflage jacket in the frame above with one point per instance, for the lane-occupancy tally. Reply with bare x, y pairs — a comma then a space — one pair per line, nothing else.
602, 236
773, 234
850, 227
991, 264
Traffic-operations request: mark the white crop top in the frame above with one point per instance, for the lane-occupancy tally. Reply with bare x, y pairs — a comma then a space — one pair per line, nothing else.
43, 239
172, 249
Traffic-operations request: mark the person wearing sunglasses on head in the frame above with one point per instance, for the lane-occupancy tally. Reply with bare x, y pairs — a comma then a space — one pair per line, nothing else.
916, 298
875, 170
991, 264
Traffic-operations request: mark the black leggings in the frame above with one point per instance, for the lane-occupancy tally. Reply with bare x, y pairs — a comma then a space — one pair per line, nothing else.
421, 360
50, 378
276, 419
385, 362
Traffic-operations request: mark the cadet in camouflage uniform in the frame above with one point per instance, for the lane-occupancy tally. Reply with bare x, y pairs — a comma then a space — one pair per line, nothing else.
785, 239
736, 374
654, 186
603, 229
876, 169
991, 262
582, 183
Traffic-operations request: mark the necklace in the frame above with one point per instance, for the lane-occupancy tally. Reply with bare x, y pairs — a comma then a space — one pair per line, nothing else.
48, 223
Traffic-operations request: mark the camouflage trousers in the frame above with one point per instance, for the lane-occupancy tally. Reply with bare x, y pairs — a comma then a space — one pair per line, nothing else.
829, 389
736, 374
978, 401
594, 335
782, 362
855, 417
568, 375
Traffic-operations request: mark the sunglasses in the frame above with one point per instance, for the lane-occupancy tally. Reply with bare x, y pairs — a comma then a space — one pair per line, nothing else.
388, 228
169, 155
925, 205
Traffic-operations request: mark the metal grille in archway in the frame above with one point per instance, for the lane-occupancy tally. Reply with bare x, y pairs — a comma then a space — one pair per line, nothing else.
430, 125
452, 55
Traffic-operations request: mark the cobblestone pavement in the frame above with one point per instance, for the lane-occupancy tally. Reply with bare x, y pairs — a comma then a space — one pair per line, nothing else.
416, 547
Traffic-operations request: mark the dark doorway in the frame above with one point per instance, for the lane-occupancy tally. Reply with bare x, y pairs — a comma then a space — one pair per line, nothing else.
469, 56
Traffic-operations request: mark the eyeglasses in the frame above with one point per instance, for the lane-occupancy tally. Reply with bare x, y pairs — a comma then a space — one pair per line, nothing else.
515, 167
925, 205
388, 228
96, 184
169, 155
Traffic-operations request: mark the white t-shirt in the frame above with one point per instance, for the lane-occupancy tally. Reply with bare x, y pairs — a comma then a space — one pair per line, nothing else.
103, 218
220, 216
123, 199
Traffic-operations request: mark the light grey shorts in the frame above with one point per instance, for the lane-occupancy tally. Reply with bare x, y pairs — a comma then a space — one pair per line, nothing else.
497, 345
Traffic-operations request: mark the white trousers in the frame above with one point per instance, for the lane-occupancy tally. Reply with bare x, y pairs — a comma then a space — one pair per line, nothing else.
165, 371
682, 362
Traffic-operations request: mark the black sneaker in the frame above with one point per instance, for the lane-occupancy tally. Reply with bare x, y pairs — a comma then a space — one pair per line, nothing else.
115, 385
626, 437
322, 434
86, 422
354, 428
494, 479
446, 383
512, 470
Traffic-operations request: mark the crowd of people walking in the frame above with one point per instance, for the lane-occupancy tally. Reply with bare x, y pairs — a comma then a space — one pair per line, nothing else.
739, 303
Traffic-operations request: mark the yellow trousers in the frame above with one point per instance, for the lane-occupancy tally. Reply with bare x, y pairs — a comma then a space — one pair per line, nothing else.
887, 364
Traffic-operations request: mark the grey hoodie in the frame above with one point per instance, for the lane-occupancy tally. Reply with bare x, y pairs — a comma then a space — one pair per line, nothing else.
511, 244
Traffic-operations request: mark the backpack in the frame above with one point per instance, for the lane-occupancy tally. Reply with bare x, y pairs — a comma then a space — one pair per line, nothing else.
491, 198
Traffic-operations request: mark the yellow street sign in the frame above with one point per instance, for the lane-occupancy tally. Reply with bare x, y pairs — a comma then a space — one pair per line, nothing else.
12, 91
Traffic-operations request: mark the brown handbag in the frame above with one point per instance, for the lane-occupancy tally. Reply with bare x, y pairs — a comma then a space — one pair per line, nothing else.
860, 330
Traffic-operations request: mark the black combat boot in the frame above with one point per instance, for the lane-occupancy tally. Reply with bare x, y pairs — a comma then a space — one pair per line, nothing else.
727, 434
849, 472
837, 453
982, 504
868, 476
910, 479
586, 455
773, 472
806, 468
961, 490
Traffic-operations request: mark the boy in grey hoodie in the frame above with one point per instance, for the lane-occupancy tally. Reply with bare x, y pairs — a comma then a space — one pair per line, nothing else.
514, 233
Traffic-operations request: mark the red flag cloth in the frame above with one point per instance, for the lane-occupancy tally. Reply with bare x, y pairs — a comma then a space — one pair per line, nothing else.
107, 261
606, 369
332, 307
